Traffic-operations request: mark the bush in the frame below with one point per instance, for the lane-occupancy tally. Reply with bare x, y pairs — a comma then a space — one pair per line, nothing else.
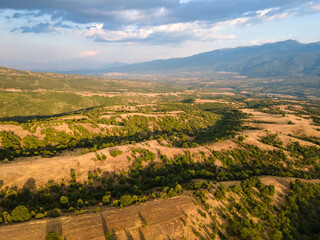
106, 199
40, 215
64, 200
127, 200
53, 236
115, 153
96, 210
73, 175
189, 100
7, 217
108, 235
185, 145
98, 156
20, 213
54, 213
80, 203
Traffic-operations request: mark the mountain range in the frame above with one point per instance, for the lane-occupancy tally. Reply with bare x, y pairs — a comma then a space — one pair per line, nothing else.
285, 58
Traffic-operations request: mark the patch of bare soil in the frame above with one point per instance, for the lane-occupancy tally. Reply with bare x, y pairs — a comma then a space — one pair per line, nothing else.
120, 108
283, 126
63, 127
253, 139
211, 101
18, 172
282, 187
156, 115
74, 117
16, 129
223, 145
10, 89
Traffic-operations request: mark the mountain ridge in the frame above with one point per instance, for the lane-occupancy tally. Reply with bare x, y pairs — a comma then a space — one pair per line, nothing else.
285, 58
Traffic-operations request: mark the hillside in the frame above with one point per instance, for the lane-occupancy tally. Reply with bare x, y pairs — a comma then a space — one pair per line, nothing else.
126, 159
27, 93
212, 167
287, 58
181, 217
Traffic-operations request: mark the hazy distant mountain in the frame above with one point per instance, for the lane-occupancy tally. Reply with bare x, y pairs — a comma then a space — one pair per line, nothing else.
95, 71
287, 58
67, 65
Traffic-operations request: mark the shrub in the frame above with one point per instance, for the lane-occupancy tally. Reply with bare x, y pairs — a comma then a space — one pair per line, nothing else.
185, 145
189, 100
40, 215
108, 235
127, 200
73, 175
194, 145
20, 213
7, 217
240, 138
54, 213
106, 199
115, 153
53, 236
96, 210
80, 203
98, 156
64, 200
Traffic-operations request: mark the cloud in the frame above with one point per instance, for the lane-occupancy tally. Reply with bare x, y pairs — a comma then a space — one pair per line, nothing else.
259, 42
164, 34
146, 12
88, 54
265, 15
38, 28
158, 21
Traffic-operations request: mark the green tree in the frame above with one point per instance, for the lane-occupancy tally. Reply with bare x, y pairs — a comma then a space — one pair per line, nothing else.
185, 145
127, 200
64, 200
80, 203
106, 199
277, 235
20, 213
54, 213
31, 142
53, 236
7, 217
10, 140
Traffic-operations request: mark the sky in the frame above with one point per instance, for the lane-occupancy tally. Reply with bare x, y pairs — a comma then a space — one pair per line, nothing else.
78, 33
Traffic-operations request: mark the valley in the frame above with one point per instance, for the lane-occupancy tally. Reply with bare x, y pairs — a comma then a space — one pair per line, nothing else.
179, 163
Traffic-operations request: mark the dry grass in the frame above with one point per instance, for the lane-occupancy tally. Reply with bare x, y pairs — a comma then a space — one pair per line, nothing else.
164, 220
300, 127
